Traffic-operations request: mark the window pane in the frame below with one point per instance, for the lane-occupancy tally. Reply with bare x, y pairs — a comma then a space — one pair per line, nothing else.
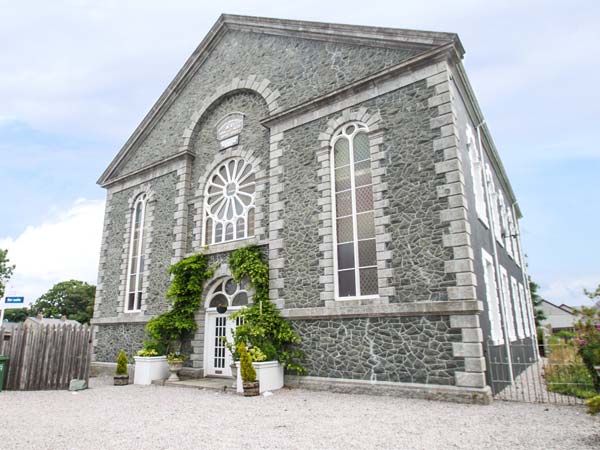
138, 303
229, 232
131, 304
342, 179
240, 228
362, 173
217, 300
344, 229
364, 199
366, 225
251, 222
368, 281
346, 283
343, 204
361, 147
208, 232
230, 287
346, 256
367, 255
219, 232
342, 152
240, 299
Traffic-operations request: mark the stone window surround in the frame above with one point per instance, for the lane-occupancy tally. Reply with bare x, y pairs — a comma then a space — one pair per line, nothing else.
383, 237
147, 233
197, 202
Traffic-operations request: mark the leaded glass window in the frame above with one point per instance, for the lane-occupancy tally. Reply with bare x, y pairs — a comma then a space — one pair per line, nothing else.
135, 269
354, 219
229, 202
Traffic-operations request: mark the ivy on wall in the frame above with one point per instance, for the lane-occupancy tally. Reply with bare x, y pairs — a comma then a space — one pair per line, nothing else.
185, 293
261, 323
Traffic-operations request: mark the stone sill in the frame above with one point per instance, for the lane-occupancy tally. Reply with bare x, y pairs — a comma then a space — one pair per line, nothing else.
129, 318
382, 310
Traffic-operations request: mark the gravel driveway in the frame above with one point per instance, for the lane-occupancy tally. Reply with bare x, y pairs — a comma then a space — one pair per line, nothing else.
153, 417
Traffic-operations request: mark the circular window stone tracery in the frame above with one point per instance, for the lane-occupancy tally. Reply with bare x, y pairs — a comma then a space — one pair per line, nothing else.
228, 292
229, 204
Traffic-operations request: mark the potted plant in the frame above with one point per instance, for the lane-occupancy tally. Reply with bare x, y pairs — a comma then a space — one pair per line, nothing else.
121, 377
150, 364
248, 374
175, 361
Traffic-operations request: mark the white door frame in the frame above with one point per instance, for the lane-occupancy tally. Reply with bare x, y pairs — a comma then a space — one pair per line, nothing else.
209, 339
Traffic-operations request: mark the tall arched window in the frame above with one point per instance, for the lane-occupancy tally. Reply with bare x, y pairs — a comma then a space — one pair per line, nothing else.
353, 215
135, 269
476, 175
229, 202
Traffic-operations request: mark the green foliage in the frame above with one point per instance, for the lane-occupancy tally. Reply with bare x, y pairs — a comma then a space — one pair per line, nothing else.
176, 357
152, 348
593, 294
6, 271
73, 298
593, 405
16, 315
121, 363
148, 352
588, 339
185, 293
262, 325
247, 370
565, 335
565, 372
256, 354
537, 303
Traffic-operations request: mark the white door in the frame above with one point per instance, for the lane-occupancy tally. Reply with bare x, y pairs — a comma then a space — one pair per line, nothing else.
219, 357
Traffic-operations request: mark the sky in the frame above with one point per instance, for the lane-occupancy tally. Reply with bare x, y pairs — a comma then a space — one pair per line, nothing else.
77, 77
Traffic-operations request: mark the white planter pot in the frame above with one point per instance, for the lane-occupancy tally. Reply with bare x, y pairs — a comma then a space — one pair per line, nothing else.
268, 373
149, 368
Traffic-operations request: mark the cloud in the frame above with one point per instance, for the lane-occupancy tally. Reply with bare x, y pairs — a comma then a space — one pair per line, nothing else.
568, 289
62, 248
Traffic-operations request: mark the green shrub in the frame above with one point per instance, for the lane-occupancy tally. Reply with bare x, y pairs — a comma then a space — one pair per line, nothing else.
593, 405
588, 339
121, 363
566, 335
565, 373
247, 370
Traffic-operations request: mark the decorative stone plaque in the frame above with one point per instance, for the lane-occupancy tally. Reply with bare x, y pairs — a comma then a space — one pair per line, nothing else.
229, 129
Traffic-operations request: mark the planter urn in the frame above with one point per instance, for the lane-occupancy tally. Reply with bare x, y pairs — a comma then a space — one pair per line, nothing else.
150, 368
174, 368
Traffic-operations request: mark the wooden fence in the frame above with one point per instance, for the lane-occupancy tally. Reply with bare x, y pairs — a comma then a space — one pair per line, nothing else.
45, 356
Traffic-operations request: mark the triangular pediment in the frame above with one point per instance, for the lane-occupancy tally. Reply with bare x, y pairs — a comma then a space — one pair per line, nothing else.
406, 43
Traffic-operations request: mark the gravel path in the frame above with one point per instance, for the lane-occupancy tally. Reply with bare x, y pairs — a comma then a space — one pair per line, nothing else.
153, 417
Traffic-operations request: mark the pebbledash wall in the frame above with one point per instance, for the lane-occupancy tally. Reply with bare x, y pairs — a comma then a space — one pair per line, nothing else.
422, 335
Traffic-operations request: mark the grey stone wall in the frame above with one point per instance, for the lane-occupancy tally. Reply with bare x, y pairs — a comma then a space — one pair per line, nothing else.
112, 338
299, 68
161, 247
418, 255
400, 349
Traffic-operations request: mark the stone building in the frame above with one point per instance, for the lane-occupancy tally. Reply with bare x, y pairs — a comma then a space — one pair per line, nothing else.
358, 158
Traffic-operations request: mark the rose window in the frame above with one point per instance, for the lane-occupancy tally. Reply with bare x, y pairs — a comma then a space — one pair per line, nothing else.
229, 205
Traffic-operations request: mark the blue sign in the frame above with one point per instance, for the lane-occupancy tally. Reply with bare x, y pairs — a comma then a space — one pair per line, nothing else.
15, 300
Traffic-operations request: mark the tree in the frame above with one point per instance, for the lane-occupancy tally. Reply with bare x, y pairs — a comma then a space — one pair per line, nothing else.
593, 294
537, 302
16, 315
74, 299
6, 271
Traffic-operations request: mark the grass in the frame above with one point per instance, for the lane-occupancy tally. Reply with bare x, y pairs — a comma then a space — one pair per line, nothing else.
565, 372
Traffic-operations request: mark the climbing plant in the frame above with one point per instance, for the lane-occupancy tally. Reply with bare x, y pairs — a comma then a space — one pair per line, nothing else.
169, 329
261, 323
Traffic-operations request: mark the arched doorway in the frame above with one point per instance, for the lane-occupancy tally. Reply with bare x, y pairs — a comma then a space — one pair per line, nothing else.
235, 296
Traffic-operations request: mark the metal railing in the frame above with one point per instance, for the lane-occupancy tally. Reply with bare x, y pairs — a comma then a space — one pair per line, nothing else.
554, 373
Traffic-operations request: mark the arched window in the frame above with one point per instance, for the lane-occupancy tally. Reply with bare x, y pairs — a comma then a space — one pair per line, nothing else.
229, 293
135, 269
353, 215
229, 202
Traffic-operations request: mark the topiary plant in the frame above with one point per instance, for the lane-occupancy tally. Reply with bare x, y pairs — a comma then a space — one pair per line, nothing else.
247, 370
121, 363
593, 405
